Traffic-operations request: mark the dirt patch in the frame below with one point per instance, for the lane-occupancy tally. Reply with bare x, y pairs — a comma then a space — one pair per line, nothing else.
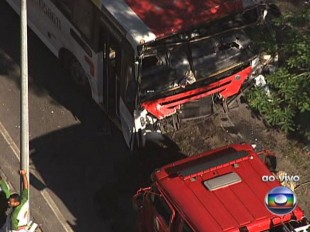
292, 158
289, 5
242, 125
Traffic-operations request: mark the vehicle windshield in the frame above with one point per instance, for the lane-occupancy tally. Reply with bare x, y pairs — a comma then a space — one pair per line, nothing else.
190, 59
205, 163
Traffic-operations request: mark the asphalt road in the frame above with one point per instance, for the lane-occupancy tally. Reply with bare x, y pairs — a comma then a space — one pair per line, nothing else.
82, 177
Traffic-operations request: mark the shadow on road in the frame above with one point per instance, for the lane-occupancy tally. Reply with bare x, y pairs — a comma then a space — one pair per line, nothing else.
95, 177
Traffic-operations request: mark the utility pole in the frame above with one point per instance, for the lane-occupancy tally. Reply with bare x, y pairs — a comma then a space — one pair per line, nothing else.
24, 111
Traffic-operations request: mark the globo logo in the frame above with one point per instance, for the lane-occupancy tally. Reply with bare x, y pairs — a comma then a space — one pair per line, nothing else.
281, 200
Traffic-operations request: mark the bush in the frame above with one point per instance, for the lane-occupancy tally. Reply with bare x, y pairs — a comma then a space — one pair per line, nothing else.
289, 99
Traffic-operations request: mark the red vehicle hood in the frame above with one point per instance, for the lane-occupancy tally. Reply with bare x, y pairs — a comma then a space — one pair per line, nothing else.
241, 204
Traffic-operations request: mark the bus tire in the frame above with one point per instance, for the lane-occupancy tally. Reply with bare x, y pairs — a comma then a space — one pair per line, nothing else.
140, 139
74, 69
139, 143
76, 72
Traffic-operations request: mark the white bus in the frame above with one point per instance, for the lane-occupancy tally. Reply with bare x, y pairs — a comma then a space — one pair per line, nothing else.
150, 65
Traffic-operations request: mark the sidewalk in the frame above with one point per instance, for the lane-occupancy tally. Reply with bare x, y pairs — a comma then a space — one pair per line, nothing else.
43, 210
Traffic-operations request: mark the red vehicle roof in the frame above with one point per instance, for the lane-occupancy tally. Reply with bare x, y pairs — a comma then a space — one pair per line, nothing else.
228, 208
166, 17
148, 20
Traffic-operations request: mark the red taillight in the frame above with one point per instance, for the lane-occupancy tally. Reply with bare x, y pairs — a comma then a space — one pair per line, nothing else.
91, 65
215, 9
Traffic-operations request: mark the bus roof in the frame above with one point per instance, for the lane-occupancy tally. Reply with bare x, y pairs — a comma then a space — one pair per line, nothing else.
221, 190
149, 20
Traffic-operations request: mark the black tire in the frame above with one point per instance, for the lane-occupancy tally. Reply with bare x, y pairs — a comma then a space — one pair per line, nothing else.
139, 143
77, 74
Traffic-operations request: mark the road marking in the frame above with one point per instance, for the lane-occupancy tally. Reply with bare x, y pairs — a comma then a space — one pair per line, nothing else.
9, 141
44, 192
55, 209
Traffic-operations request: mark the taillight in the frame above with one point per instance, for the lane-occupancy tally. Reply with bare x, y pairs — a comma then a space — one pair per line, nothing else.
91, 65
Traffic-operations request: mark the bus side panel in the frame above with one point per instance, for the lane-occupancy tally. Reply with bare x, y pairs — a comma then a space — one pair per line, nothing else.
55, 31
35, 21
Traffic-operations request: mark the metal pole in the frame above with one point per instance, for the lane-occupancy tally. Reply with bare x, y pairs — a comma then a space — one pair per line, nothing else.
24, 117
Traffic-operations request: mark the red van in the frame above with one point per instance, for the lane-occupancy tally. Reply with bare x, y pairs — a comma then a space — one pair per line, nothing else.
220, 190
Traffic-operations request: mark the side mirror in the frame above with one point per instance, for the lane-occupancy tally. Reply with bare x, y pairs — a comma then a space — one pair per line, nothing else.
137, 201
138, 198
271, 162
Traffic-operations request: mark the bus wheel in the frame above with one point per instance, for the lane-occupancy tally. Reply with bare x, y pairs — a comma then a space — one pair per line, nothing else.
77, 73
74, 69
139, 143
140, 139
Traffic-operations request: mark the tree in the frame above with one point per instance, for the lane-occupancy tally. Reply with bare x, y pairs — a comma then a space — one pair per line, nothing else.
288, 104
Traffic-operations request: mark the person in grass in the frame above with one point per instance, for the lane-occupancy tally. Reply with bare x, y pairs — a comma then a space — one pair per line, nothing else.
18, 218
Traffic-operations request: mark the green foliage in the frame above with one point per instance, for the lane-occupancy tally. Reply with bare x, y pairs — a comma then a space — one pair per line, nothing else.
290, 84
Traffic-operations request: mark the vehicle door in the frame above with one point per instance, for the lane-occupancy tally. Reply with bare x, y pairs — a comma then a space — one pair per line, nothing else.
128, 92
116, 69
159, 213
182, 226
186, 228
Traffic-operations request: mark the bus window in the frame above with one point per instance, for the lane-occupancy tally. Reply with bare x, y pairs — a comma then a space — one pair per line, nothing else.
149, 62
130, 88
65, 6
114, 60
83, 18
113, 67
